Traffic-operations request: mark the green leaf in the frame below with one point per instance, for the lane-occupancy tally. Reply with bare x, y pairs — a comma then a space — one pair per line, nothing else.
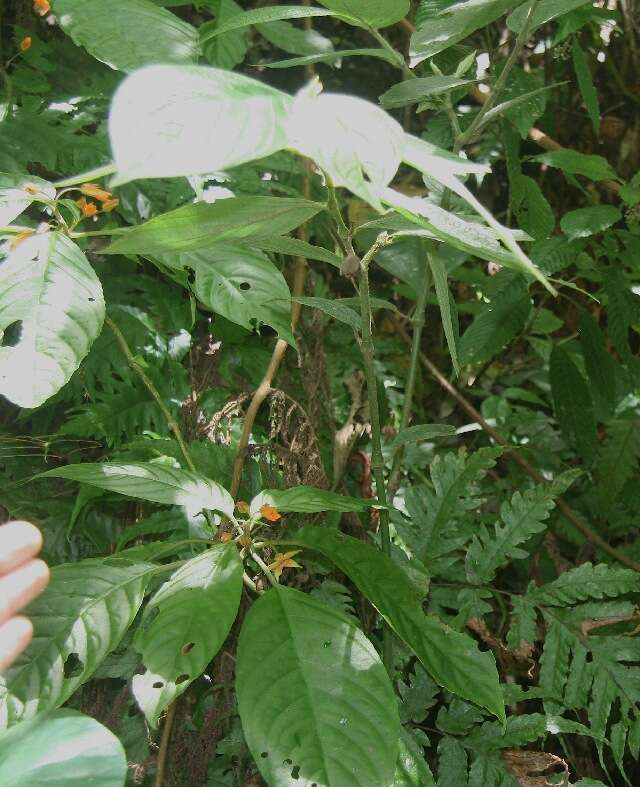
412, 769
618, 461
377, 13
497, 324
354, 141
127, 34
413, 91
528, 98
334, 309
430, 159
414, 434
285, 244
294, 40
192, 119
453, 24
15, 199
259, 16
229, 49
451, 658
447, 307
523, 516
198, 226
572, 403
48, 286
574, 163
331, 57
545, 11
158, 483
584, 222
599, 363
307, 500
531, 207
196, 609
61, 748
585, 83
80, 618
586, 582
315, 701
243, 286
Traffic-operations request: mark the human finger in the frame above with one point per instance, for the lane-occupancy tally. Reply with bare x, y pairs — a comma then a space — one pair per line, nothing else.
15, 635
19, 542
19, 587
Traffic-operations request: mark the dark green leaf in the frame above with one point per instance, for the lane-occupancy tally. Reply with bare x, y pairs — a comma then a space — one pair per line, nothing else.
334, 309
377, 13
413, 434
572, 403
447, 307
583, 222
532, 210
258, 16
585, 83
414, 90
331, 57
545, 11
574, 163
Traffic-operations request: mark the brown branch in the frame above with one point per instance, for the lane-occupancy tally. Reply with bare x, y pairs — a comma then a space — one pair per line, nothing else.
164, 744
563, 506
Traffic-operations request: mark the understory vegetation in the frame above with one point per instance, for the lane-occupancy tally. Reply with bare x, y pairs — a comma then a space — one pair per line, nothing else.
319, 373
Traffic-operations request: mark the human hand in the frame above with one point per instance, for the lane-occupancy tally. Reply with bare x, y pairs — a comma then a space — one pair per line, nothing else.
22, 578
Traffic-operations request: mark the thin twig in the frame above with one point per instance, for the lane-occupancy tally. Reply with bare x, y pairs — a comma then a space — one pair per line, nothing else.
534, 474
164, 744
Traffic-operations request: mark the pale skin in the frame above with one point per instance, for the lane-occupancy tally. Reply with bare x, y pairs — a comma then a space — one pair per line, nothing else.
23, 576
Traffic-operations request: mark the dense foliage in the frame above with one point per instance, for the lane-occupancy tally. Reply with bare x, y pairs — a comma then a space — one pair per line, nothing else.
318, 366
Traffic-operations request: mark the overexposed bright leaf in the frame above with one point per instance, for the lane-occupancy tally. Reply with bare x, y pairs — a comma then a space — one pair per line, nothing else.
18, 191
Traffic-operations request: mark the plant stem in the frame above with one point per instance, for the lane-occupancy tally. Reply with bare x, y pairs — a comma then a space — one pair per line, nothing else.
468, 135
398, 59
264, 568
418, 324
164, 744
377, 460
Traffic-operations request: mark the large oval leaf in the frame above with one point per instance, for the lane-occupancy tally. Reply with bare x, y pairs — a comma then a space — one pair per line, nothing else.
307, 500
128, 34
316, 704
61, 748
451, 658
49, 288
77, 621
184, 120
226, 221
377, 13
245, 287
15, 198
196, 608
154, 482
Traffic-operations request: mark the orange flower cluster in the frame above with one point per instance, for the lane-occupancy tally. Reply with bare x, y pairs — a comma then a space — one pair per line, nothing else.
270, 513
89, 209
25, 43
41, 7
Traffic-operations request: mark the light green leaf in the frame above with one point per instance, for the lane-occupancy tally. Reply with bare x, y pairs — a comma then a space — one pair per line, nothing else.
585, 83
412, 769
307, 500
315, 701
196, 609
80, 618
414, 90
575, 163
229, 49
545, 11
127, 34
148, 481
572, 403
14, 198
243, 286
453, 24
46, 284
531, 208
331, 57
198, 226
377, 13
451, 658
583, 222
414, 434
168, 120
354, 141
334, 309
61, 748
447, 307
258, 16
430, 159
294, 40
586, 582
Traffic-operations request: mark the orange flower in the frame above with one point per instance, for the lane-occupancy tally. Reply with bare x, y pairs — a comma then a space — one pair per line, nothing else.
242, 506
110, 204
270, 513
20, 237
25, 43
88, 208
41, 7
226, 537
283, 561
92, 190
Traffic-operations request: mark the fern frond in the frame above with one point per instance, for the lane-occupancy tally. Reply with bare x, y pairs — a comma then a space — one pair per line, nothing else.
619, 457
337, 596
585, 582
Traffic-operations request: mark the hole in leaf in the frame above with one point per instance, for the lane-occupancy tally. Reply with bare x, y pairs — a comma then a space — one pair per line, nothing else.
287, 762
188, 648
91, 300
158, 684
264, 755
12, 334
73, 666
326, 644
245, 285
295, 772
181, 678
